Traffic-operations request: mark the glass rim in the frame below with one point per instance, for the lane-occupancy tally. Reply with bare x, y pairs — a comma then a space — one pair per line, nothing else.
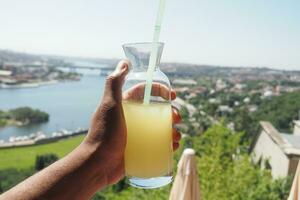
141, 43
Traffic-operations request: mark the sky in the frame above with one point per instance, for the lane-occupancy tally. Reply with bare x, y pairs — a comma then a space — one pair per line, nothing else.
216, 32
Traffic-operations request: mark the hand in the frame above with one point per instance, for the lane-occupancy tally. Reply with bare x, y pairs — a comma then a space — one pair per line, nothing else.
108, 130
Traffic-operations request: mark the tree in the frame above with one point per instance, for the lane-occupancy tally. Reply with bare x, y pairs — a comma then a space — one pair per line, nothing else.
29, 115
1, 189
45, 160
184, 112
244, 121
280, 111
226, 171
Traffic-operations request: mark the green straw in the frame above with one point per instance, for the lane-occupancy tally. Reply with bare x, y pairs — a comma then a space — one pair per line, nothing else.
153, 55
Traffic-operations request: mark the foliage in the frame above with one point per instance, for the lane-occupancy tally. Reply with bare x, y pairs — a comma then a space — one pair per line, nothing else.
211, 108
29, 115
3, 118
280, 111
184, 112
120, 186
244, 121
255, 84
24, 157
290, 83
2, 122
44, 160
11, 176
67, 75
226, 171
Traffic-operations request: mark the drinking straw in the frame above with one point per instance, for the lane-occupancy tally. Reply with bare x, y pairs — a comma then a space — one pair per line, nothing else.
154, 50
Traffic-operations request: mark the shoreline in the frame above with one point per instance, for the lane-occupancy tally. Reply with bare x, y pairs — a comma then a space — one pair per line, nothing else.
41, 139
34, 84
13, 123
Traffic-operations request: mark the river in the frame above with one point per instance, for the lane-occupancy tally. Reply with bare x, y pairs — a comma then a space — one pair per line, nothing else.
69, 104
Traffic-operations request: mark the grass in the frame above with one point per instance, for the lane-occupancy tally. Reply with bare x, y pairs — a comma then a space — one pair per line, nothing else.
24, 157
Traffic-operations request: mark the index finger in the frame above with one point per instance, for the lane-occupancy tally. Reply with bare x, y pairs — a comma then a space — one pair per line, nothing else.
137, 92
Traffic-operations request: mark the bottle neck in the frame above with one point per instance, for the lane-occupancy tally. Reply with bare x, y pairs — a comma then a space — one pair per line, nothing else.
143, 68
139, 55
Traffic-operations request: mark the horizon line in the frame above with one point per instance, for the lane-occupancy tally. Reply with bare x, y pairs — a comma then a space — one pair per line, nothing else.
278, 68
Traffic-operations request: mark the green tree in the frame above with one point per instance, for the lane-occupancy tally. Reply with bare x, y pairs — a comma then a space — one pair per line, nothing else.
226, 171
3, 118
244, 122
184, 112
280, 111
45, 160
29, 115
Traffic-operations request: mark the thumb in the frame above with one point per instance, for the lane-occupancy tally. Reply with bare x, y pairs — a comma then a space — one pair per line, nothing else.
114, 82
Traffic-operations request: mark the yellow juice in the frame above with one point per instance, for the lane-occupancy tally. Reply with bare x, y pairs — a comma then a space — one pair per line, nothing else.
148, 150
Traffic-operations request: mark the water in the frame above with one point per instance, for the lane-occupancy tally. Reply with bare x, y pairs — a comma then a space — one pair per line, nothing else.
69, 104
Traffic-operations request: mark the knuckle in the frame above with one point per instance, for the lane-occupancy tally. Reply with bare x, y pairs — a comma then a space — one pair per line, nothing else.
110, 78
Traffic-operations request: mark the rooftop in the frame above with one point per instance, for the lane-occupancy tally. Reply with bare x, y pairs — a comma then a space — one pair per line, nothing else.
289, 143
292, 139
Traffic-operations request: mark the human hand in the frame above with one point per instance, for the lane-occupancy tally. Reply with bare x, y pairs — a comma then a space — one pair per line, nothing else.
107, 133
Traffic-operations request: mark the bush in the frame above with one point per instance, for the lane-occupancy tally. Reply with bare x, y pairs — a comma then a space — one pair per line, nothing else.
11, 177
45, 160
121, 185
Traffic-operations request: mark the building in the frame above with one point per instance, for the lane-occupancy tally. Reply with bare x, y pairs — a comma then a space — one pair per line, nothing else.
179, 103
189, 82
220, 85
5, 73
280, 152
297, 128
223, 109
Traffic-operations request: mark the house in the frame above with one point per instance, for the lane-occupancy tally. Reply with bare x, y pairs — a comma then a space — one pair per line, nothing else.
5, 73
252, 108
247, 100
297, 128
225, 109
179, 103
220, 85
280, 152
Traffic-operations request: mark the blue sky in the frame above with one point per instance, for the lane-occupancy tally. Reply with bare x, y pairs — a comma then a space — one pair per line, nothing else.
217, 32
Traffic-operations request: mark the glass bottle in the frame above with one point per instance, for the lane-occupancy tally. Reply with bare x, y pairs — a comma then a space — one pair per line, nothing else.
148, 153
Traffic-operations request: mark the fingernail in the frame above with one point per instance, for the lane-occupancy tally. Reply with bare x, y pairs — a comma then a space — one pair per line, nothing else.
121, 67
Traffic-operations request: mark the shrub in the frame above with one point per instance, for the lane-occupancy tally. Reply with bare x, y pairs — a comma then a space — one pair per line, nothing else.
45, 160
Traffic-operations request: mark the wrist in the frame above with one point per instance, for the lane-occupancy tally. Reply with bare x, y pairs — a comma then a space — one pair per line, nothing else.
106, 163
94, 164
